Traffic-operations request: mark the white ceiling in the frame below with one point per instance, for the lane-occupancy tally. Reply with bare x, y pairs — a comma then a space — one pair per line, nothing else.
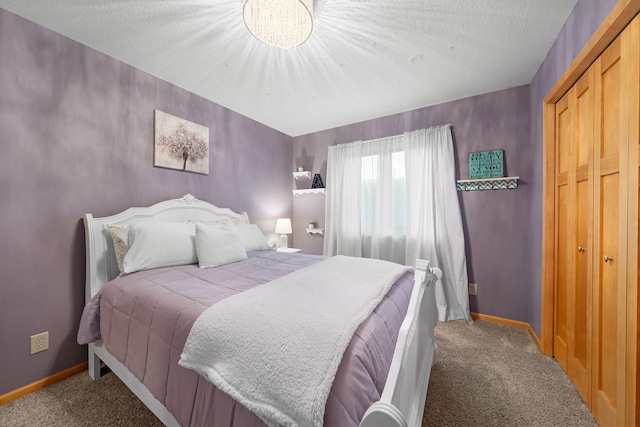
364, 59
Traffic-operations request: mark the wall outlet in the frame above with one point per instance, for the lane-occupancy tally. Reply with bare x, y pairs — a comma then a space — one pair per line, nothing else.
473, 289
39, 342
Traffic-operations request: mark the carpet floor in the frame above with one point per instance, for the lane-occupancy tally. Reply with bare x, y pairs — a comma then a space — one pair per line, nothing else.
484, 374
487, 374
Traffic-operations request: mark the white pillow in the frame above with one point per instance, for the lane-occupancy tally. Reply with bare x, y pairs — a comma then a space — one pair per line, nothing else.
250, 235
160, 244
120, 240
216, 247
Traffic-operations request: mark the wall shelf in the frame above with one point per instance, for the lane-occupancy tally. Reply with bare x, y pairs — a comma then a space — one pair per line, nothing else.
303, 174
315, 231
308, 191
505, 183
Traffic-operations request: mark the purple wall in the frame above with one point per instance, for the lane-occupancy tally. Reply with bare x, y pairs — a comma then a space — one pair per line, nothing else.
76, 130
585, 18
495, 222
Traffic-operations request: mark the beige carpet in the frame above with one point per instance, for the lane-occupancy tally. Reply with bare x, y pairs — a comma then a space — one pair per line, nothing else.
484, 375
488, 374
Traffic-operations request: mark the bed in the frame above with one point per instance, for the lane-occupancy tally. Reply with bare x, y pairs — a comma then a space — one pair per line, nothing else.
181, 396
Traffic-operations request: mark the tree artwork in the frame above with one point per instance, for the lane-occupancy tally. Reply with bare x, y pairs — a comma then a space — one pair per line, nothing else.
181, 144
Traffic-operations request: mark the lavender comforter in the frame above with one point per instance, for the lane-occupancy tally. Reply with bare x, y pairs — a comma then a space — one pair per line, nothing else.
144, 320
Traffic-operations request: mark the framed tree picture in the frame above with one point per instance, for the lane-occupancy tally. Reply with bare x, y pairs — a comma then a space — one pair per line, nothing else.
180, 144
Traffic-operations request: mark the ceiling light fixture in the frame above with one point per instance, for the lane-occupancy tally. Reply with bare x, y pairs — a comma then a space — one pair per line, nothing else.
279, 23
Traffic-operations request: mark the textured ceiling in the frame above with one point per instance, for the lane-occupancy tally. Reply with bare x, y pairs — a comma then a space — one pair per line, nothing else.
364, 59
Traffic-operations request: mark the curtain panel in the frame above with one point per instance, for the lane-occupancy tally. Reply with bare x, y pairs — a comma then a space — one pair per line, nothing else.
395, 199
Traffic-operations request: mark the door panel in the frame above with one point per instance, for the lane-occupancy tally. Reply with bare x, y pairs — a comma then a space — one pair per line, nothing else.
561, 329
633, 294
608, 306
580, 357
563, 231
610, 240
610, 75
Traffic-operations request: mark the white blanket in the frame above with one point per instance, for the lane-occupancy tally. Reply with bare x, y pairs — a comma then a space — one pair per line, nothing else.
276, 348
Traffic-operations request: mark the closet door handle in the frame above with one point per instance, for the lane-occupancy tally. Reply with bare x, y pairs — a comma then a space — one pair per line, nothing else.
607, 258
580, 249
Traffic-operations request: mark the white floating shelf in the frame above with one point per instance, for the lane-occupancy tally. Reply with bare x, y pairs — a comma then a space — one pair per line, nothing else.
303, 174
315, 231
308, 191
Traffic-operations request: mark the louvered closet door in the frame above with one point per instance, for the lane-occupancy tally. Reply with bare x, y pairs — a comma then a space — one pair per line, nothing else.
610, 240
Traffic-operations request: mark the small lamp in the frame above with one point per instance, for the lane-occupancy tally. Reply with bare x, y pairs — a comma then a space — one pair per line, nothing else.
283, 227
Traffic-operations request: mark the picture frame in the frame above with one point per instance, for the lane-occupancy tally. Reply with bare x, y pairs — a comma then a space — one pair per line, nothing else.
180, 144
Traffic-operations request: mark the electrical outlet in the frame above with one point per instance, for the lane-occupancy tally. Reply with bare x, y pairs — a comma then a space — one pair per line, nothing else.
39, 342
473, 289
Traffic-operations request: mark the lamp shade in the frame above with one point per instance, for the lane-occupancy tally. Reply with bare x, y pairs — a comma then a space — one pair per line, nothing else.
283, 226
279, 23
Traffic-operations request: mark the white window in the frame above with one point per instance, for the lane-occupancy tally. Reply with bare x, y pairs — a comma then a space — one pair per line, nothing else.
384, 182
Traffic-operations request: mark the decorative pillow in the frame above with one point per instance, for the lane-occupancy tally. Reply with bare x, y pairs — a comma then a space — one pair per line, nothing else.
160, 244
120, 240
216, 247
250, 235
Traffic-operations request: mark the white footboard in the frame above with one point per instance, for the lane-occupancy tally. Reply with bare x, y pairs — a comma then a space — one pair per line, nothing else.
403, 398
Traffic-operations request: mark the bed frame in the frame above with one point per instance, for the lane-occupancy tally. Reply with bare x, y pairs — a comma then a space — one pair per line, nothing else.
403, 397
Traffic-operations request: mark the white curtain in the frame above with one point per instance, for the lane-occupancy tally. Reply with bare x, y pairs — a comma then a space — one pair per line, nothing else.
343, 207
395, 199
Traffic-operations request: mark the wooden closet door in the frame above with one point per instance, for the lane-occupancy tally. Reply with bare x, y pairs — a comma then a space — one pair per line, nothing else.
563, 232
580, 349
633, 275
574, 195
610, 240
594, 251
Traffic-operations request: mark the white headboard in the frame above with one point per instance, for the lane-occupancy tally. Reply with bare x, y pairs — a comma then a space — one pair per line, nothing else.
101, 259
